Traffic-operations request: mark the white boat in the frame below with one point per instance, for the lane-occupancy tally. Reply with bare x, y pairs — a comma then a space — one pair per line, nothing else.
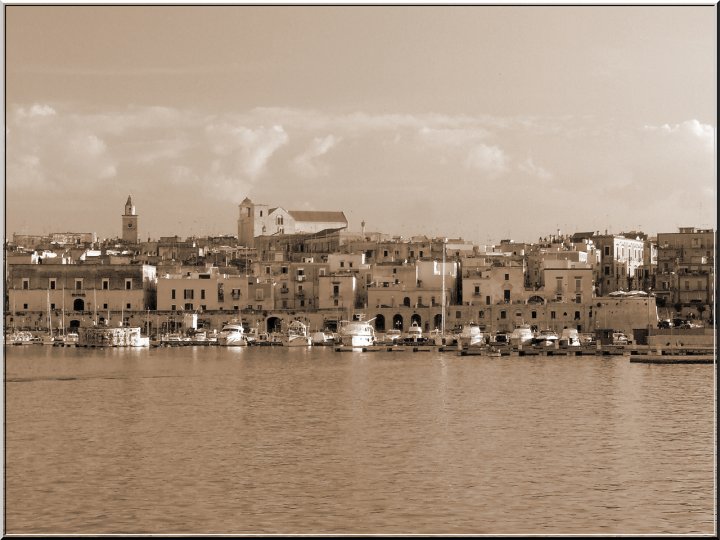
296, 335
70, 339
392, 336
19, 337
569, 337
414, 334
232, 335
471, 335
357, 333
521, 335
619, 338
107, 336
545, 338
323, 338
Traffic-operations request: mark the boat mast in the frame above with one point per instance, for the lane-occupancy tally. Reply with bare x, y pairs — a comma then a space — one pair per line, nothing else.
442, 316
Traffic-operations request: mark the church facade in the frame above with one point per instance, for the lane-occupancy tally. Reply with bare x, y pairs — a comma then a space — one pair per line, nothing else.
263, 220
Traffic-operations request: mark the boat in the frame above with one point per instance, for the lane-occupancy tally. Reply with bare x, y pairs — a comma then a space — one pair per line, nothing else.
19, 337
619, 338
569, 337
470, 335
296, 335
232, 335
70, 339
521, 335
414, 335
357, 333
107, 336
49, 339
500, 339
392, 337
545, 338
321, 338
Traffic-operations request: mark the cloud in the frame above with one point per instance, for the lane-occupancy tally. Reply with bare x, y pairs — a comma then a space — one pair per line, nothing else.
307, 164
530, 168
245, 150
688, 133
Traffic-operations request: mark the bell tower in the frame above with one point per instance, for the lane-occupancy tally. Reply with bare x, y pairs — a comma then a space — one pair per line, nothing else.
130, 223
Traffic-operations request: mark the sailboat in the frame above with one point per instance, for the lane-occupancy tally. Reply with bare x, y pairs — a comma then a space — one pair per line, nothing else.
49, 339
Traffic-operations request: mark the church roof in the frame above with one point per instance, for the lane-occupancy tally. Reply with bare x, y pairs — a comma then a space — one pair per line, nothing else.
320, 216
129, 201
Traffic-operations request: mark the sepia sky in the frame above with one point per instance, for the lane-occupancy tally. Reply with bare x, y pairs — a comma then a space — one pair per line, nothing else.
484, 122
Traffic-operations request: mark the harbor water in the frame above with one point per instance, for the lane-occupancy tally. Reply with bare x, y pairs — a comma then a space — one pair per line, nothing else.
274, 440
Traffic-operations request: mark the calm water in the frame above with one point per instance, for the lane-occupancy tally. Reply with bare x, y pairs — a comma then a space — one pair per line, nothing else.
276, 440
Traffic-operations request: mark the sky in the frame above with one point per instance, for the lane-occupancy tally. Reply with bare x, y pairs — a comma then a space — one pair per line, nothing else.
480, 122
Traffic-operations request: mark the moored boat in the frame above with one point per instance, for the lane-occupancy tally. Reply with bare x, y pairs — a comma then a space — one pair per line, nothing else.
357, 333
296, 335
414, 335
232, 335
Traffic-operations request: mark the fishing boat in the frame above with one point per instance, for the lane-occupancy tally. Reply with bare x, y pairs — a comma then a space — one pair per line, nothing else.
296, 335
357, 333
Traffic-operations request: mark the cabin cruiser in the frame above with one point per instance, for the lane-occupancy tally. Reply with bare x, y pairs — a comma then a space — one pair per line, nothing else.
323, 338
296, 335
232, 335
521, 335
414, 335
545, 338
569, 337
470, 335
357, 333
391, 337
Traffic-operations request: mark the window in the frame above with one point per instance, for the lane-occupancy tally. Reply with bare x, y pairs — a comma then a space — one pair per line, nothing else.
202, 294
267, 269
284, 270
487, 300
259, 295
533, 314
52, 283
173, 307
336, 290
105, 284
26, 283
172, 294
189, 306
78, 284
477, 290
342, 264
577, 315
25, 306
607, 251
552, 314
507, 277
128, 283
128, 306
188, 294
52, 306
105, 306
578, 284
481, 314
503, 314
203, 307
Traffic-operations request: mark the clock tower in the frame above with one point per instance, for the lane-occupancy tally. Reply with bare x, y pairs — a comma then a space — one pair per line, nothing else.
129, 223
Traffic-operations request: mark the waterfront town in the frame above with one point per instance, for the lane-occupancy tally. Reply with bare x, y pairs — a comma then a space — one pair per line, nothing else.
287, 265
